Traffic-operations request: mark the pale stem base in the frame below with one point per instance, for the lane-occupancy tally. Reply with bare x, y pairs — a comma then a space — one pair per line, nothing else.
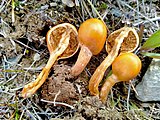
109, 83
83, 59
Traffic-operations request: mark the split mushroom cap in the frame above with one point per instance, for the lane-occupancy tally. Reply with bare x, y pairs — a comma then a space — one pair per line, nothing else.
92, 36
62, 43
61, 30
131, 41
124, 68
129, 44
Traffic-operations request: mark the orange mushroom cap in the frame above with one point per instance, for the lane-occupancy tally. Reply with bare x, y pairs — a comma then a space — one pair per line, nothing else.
126, 66
92, 34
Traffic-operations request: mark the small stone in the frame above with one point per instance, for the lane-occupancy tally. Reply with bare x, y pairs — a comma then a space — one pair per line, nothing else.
44, 7
148, 89
69, 3
53, 4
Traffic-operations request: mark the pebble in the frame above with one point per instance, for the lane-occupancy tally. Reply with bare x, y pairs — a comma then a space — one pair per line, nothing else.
149, 88
53, 4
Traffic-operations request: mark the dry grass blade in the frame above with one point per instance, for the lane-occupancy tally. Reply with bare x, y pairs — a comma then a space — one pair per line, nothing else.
58, 103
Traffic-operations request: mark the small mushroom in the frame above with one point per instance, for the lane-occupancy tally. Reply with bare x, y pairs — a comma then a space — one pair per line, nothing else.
92, 36
124, 68
123, 40
62, 43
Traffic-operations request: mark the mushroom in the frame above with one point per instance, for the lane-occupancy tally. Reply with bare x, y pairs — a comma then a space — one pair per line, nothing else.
62, 43
123, 40
91, 35
124, 68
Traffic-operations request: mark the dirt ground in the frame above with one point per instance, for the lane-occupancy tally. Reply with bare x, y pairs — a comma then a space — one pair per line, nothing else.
23, 29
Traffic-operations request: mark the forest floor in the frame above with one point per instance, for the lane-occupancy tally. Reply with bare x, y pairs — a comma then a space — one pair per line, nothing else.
23, 54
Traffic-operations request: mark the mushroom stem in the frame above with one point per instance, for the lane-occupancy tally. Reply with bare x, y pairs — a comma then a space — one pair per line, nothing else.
109, 83
99, 73
83, 59
32, 87
124, 68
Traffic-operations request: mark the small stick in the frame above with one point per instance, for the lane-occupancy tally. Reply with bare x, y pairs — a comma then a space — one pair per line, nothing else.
56, 97
95, 9
128, 96
13, 16
58, 103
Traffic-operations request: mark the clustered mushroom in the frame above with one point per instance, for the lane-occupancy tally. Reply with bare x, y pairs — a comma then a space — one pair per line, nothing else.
131, 40
92, 36
124, 68
63, 41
